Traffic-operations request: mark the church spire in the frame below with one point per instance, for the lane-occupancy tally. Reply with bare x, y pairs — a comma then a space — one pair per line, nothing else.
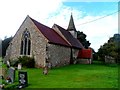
71, 26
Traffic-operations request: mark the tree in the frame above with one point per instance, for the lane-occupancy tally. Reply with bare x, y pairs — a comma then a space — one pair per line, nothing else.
82, 38
5, 44
111, 48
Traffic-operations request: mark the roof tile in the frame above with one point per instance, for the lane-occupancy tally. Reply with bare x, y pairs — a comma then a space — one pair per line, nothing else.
73, 41
50, 34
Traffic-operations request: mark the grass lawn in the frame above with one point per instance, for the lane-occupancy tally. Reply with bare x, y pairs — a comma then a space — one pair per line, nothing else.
74, 76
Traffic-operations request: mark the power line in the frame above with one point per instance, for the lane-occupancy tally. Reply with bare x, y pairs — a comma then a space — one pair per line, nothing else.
98, 18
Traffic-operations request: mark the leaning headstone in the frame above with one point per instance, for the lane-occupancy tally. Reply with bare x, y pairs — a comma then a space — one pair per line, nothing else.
19, 66
23, 79
11, 74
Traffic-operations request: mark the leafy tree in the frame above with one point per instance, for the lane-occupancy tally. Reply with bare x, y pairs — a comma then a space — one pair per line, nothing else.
82, 38
5, 44
111, 48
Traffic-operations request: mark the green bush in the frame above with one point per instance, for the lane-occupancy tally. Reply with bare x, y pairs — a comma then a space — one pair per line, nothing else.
14, 62
26, 61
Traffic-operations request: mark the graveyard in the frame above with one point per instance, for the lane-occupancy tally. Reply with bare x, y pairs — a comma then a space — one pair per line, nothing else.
71, 76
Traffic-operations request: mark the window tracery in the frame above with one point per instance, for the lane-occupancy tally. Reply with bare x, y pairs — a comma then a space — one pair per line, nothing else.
25, 43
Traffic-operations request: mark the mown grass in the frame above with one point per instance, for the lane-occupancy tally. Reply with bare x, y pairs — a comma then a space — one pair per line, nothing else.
72, 76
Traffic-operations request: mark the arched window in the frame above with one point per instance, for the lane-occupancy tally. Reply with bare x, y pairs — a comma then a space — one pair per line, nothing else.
25, 43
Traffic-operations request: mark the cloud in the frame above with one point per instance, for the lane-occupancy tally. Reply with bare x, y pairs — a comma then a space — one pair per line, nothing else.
92, 0
98, 32
62, 16
48, 12
13, 12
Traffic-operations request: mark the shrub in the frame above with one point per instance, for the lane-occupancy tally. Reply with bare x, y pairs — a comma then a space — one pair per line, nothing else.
26, 61
14, 62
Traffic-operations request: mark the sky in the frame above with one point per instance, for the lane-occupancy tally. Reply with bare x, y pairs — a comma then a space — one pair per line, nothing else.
102, 13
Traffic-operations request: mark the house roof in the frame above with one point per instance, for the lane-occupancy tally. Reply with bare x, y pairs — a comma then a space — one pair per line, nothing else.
50, 34
71, 26
73, 41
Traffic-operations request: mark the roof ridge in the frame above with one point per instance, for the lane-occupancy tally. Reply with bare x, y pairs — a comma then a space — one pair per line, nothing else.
73, 41
41, 23
51, 31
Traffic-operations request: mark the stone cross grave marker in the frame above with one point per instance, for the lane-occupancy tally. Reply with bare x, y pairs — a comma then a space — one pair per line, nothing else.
23, 79
11, 74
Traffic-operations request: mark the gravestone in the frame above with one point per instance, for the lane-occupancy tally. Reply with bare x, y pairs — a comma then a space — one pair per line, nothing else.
23, 79
8, 63
19, 66
11, 74
3, 73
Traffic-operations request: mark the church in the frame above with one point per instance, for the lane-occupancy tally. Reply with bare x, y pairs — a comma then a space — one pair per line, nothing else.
55, 45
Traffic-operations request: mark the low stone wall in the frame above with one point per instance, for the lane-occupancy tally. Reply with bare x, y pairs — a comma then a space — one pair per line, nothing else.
84, 61
109, 60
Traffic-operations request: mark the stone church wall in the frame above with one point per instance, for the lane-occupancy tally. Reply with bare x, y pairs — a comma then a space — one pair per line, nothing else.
38, 44
75, 54
13, 50
41, 50
38, 48
58, 55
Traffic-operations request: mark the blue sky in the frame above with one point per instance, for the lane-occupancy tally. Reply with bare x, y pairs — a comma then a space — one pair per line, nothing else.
94, 8
48, 12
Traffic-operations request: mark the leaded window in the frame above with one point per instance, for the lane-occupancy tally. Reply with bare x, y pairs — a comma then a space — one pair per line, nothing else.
25, 43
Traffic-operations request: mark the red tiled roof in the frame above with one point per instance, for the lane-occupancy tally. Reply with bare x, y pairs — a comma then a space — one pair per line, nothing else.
50, 34
73, 41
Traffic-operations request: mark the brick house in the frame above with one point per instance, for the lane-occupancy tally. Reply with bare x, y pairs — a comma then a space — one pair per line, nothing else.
56, 45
